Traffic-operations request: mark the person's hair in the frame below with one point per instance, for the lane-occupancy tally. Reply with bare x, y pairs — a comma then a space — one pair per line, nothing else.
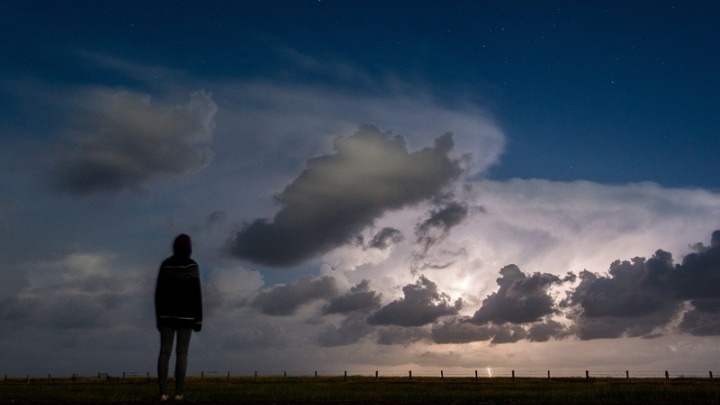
182, 246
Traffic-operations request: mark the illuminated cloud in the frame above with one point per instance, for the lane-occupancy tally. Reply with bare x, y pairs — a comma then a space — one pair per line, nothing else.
121, 140
338, 195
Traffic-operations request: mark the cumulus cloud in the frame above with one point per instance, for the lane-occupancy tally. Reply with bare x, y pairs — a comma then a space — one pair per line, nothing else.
284, 300
641, 296
122, 140
422, 304
360, 298
520, 299
337, 195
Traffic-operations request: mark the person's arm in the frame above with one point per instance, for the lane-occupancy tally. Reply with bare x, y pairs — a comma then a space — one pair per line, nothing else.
198, 302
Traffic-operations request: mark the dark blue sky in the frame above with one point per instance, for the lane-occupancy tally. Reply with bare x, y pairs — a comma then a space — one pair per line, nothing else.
612, 92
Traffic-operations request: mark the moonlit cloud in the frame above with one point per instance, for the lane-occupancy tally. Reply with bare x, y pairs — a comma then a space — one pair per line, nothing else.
123, 139
338, 195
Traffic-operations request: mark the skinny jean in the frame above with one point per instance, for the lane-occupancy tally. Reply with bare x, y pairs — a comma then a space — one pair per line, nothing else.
167, 335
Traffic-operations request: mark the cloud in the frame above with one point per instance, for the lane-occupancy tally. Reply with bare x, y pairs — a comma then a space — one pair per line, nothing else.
284, 300
386, 237
544, 331
395, 335
641, 296
77, 291
463, 330
351, 329
338, 195
520, 299
437, 226
459, 330
360, 298
123, 140
422, 304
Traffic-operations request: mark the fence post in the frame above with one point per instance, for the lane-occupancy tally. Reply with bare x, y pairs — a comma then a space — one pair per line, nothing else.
255, 375
667, 376
513, 374
710, 374
123, 375
627, 374
376, 374
442, 375
476, 376
284, 374
345, 376
548, 374
410, 374
587, 374
49, 377
228, 377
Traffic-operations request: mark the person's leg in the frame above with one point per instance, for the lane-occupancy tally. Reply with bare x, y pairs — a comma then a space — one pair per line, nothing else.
167, 335
183, 342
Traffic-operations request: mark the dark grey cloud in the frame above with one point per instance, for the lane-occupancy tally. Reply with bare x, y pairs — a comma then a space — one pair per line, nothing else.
460, 330
337, 195
395, 335
433, 231
122, 140
386, 238
422, 304
286, 299
520, 299
360, 298
437, 226
544, 331
351, 329
463, 330
640, 296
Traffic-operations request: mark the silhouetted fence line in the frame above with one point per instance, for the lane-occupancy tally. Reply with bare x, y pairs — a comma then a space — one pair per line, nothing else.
486, 373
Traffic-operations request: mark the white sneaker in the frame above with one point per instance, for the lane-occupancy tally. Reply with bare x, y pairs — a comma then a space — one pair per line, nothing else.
163, 398
178, 397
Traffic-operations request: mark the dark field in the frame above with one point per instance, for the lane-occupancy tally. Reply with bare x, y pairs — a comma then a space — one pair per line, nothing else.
368, 390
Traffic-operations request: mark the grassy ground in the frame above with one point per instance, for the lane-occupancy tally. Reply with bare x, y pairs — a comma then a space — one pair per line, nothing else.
368, 390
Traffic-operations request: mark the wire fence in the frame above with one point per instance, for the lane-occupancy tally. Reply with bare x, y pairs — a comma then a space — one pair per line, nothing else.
478, 374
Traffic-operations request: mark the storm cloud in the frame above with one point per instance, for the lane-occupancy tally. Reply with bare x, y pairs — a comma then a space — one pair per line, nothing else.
360, 298
121, 140
642, 296
339, 194
422, 304
520, 299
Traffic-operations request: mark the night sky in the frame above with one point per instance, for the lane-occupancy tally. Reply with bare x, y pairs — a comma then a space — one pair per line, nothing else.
368, 185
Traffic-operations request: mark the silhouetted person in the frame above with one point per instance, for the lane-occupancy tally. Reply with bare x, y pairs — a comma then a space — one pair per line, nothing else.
178, 311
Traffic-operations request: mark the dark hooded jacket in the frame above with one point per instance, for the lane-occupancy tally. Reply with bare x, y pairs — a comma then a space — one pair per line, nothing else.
178, 295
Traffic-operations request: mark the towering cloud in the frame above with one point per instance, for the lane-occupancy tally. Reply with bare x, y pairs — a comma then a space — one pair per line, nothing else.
123, 140
337, 195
